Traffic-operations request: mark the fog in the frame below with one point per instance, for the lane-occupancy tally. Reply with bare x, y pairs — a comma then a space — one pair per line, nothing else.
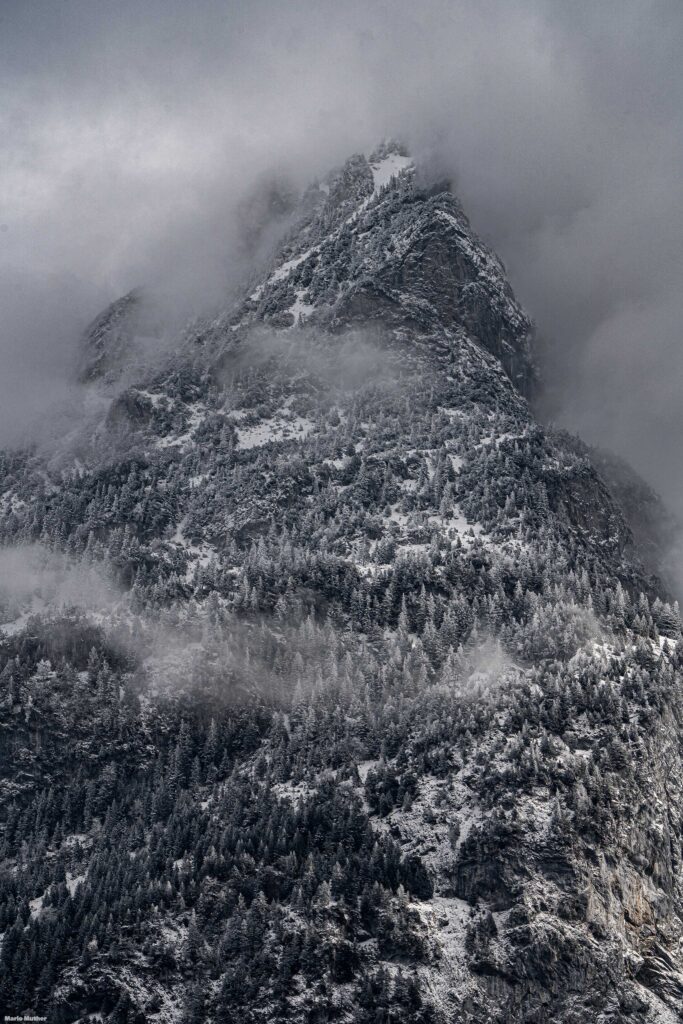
32, 578
139, 142
357, 357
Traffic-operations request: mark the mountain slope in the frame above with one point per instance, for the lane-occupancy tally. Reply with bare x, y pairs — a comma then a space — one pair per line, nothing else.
339, 688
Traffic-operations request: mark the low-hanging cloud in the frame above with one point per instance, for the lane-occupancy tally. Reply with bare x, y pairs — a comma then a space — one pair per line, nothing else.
356, 359
34, 578
135, 138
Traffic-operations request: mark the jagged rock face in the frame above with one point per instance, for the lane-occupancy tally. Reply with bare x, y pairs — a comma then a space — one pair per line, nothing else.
124, 343
377, 249
107, 342
383, 721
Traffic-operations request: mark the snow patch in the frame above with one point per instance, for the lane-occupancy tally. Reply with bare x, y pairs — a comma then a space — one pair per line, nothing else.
293, 792
73, 882
364, 769
299, 309
387, 168
286, 268
282, 426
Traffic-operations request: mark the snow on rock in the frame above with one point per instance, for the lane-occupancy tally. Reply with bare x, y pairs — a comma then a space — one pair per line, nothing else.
389, 167
446, 919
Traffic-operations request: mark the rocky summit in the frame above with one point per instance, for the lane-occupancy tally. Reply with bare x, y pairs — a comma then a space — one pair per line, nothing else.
334, 686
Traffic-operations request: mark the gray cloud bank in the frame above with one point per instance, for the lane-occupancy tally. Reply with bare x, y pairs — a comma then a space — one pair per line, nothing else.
134, 134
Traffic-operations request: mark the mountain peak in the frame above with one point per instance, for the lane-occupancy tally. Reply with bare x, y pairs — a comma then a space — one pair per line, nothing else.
362, 176
373, 246
367, 689
387, 161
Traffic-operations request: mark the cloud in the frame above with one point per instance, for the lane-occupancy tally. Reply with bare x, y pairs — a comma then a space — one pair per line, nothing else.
357, 357
135, 135
41, 317
33, 578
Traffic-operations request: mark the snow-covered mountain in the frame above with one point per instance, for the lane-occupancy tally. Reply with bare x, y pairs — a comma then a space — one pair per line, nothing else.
335, 686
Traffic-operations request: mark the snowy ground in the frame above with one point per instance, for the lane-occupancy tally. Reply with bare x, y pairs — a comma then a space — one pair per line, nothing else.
283, 425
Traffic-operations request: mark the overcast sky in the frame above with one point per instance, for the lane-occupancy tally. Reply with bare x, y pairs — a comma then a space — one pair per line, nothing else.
131, 132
